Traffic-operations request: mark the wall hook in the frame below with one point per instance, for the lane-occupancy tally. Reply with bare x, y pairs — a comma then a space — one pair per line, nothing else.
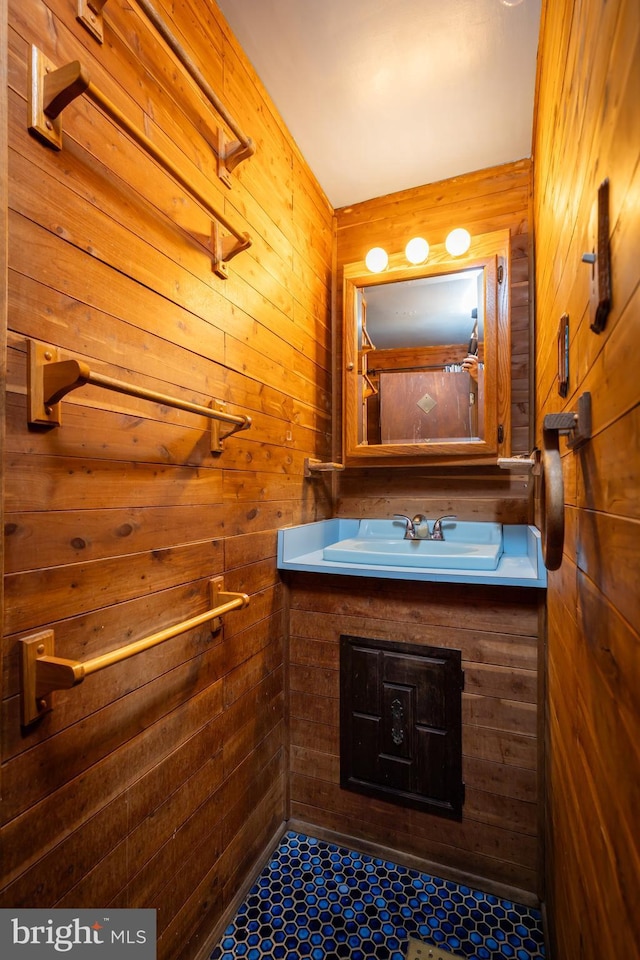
600, 260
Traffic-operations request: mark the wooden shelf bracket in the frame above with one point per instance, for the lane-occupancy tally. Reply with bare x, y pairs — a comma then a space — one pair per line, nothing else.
42, 672
313, 467
50, 379
52, 88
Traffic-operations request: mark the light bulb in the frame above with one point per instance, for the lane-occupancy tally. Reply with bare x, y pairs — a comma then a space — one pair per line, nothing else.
458, 242
417, 250
376, 260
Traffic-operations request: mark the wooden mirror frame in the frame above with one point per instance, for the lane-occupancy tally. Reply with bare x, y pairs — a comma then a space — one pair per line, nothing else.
490, 252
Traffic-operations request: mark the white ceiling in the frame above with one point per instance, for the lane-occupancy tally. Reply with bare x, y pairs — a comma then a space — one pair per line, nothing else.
382, 95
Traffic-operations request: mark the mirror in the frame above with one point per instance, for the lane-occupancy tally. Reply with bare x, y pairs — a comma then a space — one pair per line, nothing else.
427, 357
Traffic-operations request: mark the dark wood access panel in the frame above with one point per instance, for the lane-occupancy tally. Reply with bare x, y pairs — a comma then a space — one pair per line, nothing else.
400, 723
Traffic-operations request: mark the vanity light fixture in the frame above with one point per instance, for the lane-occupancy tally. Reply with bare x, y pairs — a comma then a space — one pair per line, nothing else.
377, 260
417, 250
458, 242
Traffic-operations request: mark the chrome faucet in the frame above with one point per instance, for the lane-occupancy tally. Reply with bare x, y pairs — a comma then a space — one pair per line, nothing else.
410, 530
421, 527
414, 530
437, 533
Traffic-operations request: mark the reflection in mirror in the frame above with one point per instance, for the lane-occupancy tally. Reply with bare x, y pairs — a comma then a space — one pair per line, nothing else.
424, 340
427, 311
423, 349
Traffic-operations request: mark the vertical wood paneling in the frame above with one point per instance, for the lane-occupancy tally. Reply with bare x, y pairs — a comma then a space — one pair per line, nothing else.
158, 783
588, 128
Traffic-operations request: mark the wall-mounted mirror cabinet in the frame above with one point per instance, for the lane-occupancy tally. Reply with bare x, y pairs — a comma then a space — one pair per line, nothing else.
426, 355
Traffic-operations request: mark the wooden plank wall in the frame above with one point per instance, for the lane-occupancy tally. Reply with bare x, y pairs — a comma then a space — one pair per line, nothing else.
497, 632
494, 199
487, 200
3, 285
588, 128
159, 782
497, 839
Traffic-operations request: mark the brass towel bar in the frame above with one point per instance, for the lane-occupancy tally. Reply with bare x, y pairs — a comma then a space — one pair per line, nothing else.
51, 379
230, 154
53, 88
42, 672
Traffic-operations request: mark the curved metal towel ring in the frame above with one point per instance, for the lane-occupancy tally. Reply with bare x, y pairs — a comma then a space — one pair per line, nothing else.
551, 500
577, 427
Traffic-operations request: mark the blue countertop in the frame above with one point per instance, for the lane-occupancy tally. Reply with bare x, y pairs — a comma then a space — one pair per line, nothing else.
521, 564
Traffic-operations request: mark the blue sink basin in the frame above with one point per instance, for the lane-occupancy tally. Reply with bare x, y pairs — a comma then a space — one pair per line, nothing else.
467, 546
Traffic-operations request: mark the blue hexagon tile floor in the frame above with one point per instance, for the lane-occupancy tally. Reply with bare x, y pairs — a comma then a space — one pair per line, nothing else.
319, 901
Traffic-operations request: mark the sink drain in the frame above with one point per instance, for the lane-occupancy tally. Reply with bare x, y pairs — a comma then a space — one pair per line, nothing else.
418, 950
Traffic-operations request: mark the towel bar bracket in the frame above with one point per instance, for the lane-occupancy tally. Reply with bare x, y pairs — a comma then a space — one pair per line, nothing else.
219, 596
224, 249
217, 436
575, 426
41, 412
231, 153
36, 696
90, 16
48, 129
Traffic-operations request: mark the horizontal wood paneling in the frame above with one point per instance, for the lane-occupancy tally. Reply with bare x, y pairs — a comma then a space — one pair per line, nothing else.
4, 178
488, 200
158, 783
476, 494
496, 632
588, 128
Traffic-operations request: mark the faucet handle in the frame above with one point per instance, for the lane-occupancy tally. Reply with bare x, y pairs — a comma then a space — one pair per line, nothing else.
410, 530
437, 533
